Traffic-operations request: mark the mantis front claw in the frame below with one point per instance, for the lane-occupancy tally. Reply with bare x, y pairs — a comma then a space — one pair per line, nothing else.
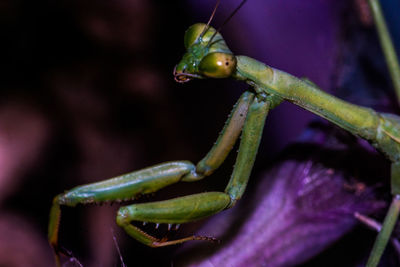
178, 210
248, 115
124, 187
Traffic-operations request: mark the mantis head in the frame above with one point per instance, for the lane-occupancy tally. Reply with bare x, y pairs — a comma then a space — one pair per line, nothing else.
207, 55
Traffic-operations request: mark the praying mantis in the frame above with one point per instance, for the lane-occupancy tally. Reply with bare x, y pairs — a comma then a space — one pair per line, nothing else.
208, 56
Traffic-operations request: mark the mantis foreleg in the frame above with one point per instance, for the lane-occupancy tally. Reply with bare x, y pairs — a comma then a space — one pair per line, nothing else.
193, 207
247, 150
131, 185
174, 211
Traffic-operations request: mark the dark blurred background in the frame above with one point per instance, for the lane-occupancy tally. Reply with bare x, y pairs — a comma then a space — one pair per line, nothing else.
87, 93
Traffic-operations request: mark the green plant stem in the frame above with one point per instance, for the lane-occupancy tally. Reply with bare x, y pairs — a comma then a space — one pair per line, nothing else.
384, 235
387, 45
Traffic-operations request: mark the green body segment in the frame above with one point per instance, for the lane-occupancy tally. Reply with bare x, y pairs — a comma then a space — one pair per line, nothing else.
177, 210
388, 136
227, 139
381, 130
358, 120
395, 178
54, 223
250, 141
128, 186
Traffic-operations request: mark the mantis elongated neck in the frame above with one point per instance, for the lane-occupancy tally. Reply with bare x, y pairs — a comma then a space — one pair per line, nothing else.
358, 120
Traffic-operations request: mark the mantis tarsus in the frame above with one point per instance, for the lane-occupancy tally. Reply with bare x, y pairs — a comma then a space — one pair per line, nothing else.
208, 56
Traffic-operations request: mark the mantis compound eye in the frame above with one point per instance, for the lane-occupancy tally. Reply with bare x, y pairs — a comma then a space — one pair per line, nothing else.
217, 65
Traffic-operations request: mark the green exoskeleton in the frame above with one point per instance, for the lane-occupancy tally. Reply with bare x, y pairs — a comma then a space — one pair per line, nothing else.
208, 56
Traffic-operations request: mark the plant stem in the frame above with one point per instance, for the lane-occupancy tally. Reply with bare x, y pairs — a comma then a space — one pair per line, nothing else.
385, 233
387, 45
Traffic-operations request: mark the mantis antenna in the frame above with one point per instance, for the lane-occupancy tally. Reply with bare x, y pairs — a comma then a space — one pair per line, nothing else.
210, 19
225, 22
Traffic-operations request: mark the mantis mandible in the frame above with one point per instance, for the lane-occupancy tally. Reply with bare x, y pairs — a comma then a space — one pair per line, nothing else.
208, 56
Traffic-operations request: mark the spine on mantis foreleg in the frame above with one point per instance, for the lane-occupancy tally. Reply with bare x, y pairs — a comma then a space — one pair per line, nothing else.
381, 130
227, 138
250, 141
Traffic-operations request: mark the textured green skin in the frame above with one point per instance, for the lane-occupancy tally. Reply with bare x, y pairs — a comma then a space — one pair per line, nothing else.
381, 130
216, 156
128, 186
251, 138
178, 210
